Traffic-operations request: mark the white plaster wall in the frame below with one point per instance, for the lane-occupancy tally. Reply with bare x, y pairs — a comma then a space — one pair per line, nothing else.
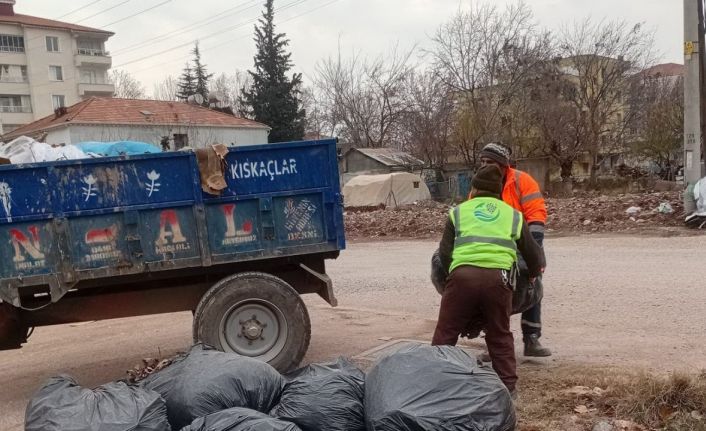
58, 136
38, 62
199, 137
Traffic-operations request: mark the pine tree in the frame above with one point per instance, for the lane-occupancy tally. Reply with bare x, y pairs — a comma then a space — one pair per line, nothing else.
187, 83
273, 98
201, 75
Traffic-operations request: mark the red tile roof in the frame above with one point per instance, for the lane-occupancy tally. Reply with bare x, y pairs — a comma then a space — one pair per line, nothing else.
34, 21
666, 69
134, 112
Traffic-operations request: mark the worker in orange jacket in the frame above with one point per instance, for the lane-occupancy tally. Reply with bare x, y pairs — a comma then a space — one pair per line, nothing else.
522, 192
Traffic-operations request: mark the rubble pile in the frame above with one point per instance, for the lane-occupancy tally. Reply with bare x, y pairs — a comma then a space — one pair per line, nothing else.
587, 212
596, 213
420, 220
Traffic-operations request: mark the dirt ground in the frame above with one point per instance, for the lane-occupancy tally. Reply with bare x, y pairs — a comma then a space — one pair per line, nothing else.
627, 302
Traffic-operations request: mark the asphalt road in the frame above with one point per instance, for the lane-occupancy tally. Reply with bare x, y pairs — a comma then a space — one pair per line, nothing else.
618, 300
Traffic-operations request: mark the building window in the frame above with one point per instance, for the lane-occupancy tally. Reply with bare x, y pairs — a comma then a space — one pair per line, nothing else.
52, 44
91, 47
13, 73
181, 140
9, 43
55, 73
92, 77
58, 101
88, 77
15, 104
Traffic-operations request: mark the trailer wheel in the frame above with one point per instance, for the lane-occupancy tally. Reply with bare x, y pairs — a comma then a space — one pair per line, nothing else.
257, 315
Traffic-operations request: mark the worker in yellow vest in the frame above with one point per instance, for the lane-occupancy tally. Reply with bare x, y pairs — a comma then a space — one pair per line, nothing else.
480, 244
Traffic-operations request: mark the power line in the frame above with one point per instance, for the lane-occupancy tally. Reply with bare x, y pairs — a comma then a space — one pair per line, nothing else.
213, 18
294, 3
137, 13
234, 39
81, 8
208, 36
103, 11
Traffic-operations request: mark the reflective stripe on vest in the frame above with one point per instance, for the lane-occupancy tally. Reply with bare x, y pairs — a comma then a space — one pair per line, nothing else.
486, 230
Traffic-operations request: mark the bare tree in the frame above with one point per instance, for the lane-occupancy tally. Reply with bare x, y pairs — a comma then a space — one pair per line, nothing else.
361, 100
126, 86
558, 126
599, 57
426, 128
166, 90
315, 116
485, 56
230, 89
656, 124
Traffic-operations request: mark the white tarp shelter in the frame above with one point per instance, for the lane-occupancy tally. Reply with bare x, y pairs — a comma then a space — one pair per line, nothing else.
392, 190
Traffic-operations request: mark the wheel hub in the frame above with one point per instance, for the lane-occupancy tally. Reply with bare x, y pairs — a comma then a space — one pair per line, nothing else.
252, 329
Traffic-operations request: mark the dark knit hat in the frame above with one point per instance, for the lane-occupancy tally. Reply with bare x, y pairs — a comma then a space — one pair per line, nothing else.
488, 179
497, 152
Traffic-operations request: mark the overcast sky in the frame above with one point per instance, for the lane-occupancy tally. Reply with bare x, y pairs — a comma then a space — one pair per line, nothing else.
156, 43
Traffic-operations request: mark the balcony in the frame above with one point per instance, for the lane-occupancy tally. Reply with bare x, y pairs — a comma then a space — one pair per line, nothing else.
16, 115
87, 89
14, 79
93, 57
16, 109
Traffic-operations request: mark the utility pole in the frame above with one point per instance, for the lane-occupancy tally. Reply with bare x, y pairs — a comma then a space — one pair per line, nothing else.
693, 98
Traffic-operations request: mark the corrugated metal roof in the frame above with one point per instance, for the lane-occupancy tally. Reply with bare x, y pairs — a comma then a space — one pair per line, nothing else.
391, 157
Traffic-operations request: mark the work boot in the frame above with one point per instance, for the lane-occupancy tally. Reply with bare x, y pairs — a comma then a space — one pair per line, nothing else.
534, 348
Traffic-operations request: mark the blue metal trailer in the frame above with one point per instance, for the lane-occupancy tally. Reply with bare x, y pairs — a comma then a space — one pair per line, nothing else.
125, 236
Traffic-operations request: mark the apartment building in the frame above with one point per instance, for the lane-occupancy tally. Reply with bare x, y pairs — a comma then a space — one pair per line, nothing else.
47, 64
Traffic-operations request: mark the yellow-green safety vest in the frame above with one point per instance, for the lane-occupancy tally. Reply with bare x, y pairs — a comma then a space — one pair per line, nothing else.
486, 231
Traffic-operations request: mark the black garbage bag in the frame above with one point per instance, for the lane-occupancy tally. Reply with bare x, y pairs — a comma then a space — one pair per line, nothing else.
239, 419
439, 274
206, 380
324, 397
425, 388
62, 405
525, 296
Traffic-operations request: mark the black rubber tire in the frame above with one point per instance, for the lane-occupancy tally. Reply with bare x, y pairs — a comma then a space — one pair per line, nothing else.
12, 332
246, 286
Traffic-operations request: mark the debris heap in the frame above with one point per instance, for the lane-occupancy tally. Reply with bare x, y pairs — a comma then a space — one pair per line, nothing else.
585, 212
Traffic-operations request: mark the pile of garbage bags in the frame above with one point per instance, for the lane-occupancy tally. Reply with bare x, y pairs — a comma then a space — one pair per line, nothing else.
435, 388
27, 150
62, 405
417, 388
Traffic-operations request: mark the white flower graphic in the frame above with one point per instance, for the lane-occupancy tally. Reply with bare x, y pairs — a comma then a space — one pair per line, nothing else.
89, 191
153, 186
5, 192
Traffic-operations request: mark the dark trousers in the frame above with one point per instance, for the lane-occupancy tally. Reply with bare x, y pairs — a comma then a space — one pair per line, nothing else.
532, 318
475, 294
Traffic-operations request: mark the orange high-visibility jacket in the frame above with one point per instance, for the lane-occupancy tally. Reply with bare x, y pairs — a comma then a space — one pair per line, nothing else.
522, 192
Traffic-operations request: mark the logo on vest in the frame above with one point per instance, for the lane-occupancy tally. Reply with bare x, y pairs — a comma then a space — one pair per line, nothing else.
487, 212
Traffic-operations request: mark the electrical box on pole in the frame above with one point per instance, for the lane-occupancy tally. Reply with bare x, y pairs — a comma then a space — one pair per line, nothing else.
693, 98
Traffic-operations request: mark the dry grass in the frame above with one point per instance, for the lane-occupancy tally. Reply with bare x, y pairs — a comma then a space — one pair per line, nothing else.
574, 398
